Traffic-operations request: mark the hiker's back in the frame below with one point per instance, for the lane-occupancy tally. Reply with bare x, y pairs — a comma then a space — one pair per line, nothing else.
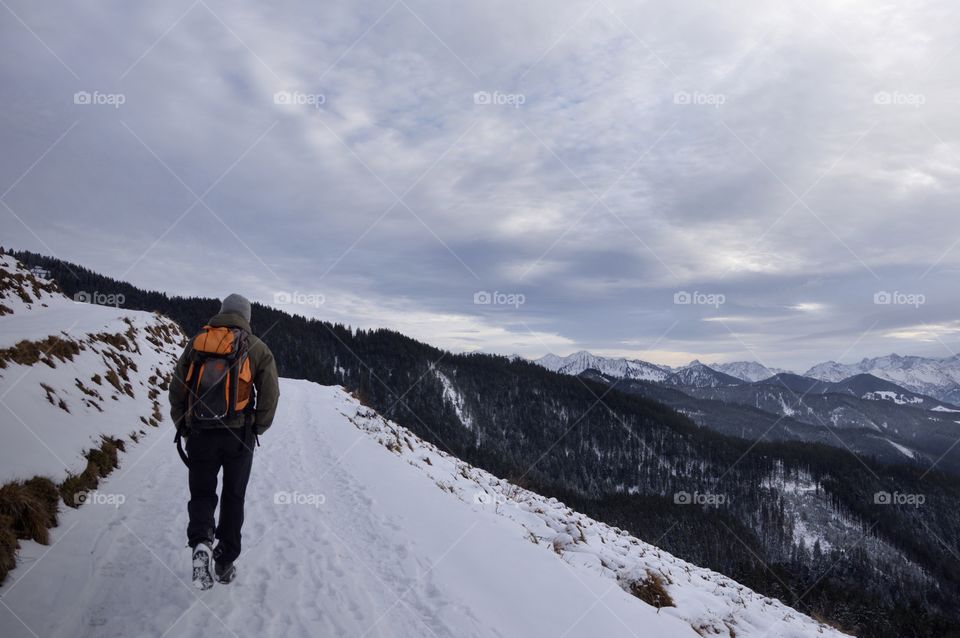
223, 395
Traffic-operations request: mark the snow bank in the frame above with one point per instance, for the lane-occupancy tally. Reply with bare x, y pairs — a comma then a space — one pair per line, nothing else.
93, 371
711, 603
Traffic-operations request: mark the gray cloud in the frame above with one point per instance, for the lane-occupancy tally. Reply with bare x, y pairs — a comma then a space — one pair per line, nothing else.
653, 149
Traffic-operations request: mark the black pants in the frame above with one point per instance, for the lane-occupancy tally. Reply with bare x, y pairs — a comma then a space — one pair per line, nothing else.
210, 450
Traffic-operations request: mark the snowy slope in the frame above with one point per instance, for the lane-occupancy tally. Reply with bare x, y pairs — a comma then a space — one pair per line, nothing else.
71, 372
357, 528
453, 397
577, 362
708, 601
342, 537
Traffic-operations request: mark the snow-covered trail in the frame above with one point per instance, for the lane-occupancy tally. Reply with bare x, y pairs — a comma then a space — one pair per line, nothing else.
386, 553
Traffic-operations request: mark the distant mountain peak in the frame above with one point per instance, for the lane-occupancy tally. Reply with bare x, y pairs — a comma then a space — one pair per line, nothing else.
935, 377
698, 375
622, 368
747, 370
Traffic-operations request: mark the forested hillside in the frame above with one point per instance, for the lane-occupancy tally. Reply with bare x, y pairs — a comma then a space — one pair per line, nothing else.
803, 522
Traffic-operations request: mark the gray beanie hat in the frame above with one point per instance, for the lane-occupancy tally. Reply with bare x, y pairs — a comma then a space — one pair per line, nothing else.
236, 304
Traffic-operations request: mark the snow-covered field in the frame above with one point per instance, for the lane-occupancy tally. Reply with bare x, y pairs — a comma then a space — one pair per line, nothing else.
354, 527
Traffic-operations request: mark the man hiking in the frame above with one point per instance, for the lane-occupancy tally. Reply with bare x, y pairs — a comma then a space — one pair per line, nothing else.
223, 395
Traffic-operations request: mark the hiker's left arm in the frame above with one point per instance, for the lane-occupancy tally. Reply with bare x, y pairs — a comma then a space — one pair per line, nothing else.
267, 383
178, 390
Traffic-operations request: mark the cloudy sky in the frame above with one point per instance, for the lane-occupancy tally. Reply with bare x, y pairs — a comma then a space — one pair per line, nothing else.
667, 180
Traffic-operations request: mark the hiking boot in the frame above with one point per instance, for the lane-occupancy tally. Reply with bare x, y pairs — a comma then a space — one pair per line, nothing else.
224, 571
202, 563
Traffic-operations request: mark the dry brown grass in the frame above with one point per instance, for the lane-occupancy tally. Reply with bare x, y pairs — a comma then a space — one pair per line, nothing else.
157, 415
93, 398
31, 508
51, 393
165, 333
114, 379
105, 457
651, 590
90, 392
28, 352
100, 462
8, 547
118, 369
118, 341
131, 334
25, 285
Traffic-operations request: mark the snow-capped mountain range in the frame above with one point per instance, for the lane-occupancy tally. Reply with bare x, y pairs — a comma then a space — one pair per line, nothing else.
880, 418
937, 378
746, 370
701, 376
577, 362
638, 369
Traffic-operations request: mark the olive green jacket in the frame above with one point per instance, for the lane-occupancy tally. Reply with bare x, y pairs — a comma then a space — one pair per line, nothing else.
265, 379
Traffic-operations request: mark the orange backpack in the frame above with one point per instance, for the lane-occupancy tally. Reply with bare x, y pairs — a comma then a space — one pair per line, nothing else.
219, 380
